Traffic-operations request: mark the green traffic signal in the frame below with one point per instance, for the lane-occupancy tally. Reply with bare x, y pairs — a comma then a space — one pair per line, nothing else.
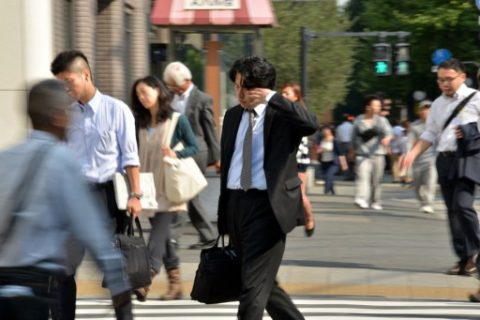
382, 68
403, 68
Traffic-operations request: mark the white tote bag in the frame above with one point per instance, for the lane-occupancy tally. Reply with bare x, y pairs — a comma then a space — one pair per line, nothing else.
183, 179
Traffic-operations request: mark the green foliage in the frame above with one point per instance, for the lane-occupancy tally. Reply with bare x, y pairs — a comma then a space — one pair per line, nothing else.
434, 24
329, 59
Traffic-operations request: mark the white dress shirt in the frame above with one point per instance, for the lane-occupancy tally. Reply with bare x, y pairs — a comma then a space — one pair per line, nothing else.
258, 150
441, 109
179, 102
102, 137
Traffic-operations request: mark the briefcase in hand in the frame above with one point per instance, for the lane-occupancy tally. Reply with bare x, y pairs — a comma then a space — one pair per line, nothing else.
218, 277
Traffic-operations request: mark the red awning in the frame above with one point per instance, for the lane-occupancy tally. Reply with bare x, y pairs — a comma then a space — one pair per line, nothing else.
252, 13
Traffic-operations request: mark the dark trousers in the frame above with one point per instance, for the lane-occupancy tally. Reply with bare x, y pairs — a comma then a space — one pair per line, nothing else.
458, 195
159, 244
255, 232
43, 286
329, 169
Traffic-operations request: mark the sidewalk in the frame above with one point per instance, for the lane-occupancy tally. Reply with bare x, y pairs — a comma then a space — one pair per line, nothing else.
354, 264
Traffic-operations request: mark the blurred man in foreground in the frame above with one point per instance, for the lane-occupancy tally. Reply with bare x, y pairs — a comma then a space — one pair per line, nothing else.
44, 199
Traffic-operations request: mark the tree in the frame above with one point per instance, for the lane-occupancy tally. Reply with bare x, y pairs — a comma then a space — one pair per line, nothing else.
329, 59
434, 24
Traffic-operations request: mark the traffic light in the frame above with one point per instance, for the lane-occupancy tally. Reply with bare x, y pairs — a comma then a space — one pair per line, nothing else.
382, 58
402, 59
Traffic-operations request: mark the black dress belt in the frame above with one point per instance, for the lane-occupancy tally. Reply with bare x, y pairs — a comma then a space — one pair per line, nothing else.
447, 154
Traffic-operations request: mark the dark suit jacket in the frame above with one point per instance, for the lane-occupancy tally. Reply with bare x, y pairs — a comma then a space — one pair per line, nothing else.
199, 112
285, 125
468, 153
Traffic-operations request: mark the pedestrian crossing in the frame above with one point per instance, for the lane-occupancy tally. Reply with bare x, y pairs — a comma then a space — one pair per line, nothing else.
311, 308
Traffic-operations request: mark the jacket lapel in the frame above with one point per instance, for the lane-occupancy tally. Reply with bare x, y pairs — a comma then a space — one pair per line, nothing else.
231, 137
192, 98
267, 125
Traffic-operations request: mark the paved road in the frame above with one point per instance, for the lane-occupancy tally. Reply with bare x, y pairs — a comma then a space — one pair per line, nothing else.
397, 253
312, 308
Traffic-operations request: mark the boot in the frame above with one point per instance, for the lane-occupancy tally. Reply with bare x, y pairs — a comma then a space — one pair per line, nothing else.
174, 285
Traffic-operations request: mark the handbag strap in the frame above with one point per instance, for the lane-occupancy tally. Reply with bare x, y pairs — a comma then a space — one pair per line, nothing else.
457, 109
130, 228
171, 128
22, 189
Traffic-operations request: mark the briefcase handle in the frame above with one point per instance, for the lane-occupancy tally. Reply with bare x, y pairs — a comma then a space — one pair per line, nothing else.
130, 228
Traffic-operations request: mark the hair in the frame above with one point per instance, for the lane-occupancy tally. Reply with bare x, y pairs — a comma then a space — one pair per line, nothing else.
256, 72
371, 97
177, 72
453, 64
296, 90
142, 116
329, 127
45, 99
71, 60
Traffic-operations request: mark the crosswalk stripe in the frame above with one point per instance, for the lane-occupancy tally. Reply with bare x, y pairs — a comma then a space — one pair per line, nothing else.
312, 309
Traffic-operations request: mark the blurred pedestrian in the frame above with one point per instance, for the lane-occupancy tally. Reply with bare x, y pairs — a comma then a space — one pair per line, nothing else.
151, 105
38, 217
260, 196
101, 136
197, 107
458, 193
371, 137
343, 134
292, 92
423, 169
331, 158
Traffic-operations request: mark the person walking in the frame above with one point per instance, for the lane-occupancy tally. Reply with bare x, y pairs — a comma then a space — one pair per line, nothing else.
423, 169
44, 199
458, 193
292, 92
371, 137
331, 158
343, 134
101, 136
260, 196
151, 105
197, 107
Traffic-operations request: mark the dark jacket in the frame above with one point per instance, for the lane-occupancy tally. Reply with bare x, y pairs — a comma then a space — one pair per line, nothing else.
285, 125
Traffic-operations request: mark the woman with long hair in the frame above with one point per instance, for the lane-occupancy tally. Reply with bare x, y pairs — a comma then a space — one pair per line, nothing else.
151, 105
292, 92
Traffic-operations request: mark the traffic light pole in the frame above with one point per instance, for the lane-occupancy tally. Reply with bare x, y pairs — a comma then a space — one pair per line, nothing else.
307, 35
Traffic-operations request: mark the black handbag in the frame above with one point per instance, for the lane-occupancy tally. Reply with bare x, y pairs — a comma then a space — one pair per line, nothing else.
218, 277
135, 254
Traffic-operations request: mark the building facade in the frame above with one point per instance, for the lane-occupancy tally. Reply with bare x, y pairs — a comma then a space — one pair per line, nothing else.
112, 33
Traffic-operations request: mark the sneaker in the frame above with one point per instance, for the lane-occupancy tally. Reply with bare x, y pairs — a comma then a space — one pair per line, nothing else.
426, 209
376, 206
362, 204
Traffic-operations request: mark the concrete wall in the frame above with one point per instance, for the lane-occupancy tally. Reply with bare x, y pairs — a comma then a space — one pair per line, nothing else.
26, 33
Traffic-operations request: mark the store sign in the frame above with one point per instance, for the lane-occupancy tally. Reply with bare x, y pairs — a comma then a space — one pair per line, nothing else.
211, 4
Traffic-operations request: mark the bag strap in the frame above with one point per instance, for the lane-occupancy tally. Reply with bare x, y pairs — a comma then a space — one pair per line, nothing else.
171, 128
130, 229
457, 109
22, 189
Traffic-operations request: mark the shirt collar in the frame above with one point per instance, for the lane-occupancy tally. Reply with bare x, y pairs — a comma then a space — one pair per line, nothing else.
42, 135
260, 109
93, 103
187, 92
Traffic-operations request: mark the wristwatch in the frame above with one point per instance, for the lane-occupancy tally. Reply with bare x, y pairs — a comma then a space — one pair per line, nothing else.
135, 195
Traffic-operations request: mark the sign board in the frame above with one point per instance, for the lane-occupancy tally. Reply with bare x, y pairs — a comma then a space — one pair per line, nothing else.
211, 4
440, 55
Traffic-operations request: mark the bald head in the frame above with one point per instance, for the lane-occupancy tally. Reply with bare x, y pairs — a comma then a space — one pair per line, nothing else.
47, 100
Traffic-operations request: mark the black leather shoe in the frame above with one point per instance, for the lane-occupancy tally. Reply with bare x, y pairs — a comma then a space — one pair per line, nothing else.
474, 297
457, 269
203, 244
470, 267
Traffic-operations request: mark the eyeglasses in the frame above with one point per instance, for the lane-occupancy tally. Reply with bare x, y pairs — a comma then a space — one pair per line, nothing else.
446, 80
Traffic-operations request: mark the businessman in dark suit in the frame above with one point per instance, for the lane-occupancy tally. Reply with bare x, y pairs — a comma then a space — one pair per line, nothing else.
260, 199
197, 107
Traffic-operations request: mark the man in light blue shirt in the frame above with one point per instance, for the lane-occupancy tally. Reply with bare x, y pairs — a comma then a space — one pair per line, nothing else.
102, 136
56, 202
